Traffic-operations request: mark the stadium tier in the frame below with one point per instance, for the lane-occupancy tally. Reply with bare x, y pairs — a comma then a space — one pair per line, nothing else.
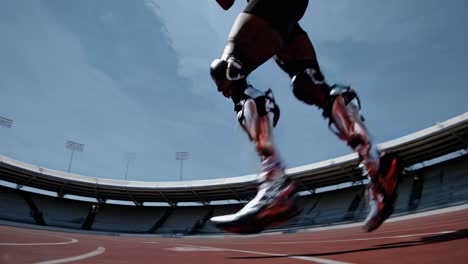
126, 218
443, 183
13, 206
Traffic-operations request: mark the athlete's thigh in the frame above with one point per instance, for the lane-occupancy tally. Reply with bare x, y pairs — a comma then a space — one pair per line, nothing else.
297, 52
282, 15
251, 42
261, 29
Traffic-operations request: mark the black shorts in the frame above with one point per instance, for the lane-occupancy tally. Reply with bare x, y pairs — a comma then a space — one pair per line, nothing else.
283, 15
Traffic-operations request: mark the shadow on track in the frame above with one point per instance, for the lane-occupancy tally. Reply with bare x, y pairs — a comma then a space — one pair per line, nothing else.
460, 234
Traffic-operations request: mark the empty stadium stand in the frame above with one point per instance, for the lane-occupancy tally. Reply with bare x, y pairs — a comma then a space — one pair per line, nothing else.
58, 212
14, 207
445, 183
183, 219
126, 218
332, 206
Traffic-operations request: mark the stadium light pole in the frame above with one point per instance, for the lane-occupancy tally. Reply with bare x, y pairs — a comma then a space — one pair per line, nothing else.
6, 122
74, 146
129, 157
182, 156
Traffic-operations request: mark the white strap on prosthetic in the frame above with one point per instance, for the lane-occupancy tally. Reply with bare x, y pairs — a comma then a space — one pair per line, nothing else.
349, 126
258, 128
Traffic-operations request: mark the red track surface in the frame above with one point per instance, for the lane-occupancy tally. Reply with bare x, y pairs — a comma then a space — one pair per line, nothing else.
439, 238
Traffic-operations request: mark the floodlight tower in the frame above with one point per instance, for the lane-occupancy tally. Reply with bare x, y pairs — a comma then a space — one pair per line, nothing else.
182, 156
74, 146
6, 122
129, 157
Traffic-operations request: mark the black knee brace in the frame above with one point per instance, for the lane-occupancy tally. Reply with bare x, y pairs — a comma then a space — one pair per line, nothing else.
309, 86
229, 77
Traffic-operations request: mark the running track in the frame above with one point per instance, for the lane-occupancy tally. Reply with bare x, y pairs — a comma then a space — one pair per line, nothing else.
437, 238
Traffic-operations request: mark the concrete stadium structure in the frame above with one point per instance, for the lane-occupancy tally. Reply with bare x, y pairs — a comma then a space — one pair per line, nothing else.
430, 186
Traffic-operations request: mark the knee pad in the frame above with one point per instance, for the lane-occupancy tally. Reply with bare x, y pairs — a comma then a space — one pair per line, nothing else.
218, 69
230, 69
310, 87
228, 76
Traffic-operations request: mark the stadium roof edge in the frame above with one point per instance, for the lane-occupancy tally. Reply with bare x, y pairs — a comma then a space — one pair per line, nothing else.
442, 138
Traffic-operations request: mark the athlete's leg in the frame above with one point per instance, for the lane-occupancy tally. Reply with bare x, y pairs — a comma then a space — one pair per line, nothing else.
340, 104
275, 199
298, 59
251, 42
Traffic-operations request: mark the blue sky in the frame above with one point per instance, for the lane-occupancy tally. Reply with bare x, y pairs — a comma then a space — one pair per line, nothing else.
133, 76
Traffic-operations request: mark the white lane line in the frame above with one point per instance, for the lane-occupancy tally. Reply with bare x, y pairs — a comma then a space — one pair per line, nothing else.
314, 233
450, 222
428, 213
41, 234
91, 254
185, 247
456, 208
191, 249
316, 238
362, 239
311, 259
319, 260
71, 241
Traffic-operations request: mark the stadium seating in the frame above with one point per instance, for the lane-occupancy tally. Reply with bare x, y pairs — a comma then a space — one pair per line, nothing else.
58, 212
404, 192
445, 183
13, 207
183, 219
126, 218
332, 207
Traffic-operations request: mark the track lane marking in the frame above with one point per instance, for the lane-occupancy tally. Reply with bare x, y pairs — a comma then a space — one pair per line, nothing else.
453, 221
91, 254
279, 239
449, 222
41, 234
196, 249
319, 260
305, 258
72, 241
361, 239
313, 234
